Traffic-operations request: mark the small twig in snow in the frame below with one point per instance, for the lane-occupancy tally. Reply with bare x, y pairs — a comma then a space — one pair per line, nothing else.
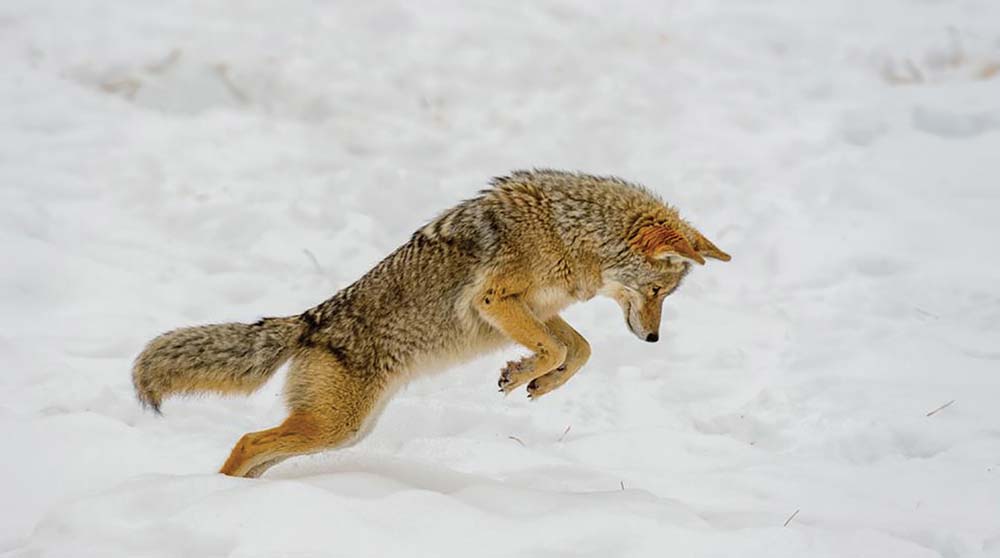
941, 408
908, 75
926, 313
622, 483
319, 268
957, 54
161, 66
789, 520
518, 440
990, 70
127, 87
565, 432
915, 74
222, 70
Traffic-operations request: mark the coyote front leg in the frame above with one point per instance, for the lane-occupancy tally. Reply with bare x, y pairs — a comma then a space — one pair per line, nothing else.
578, 353
511, 315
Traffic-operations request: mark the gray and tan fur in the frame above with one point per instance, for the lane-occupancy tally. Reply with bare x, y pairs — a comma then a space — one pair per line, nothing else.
495, 269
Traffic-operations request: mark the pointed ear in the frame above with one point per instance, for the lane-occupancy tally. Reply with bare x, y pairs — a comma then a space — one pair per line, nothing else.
705, 247
659, 242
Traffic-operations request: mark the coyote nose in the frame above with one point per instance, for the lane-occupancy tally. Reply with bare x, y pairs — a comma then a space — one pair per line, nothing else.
653, 337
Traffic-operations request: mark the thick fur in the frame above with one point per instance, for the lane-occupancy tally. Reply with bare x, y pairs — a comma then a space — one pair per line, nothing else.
494, 269
226, 358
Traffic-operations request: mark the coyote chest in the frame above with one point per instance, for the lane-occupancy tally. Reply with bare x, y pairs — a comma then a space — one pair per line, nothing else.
546, 302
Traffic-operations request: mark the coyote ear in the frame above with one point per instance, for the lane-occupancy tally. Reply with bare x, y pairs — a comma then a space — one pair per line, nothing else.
705, 247
660, 242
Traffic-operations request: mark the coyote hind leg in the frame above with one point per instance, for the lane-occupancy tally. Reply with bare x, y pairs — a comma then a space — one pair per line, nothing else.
329, 407
300, 433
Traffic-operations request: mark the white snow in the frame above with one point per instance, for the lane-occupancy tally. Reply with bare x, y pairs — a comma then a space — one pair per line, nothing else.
176, 163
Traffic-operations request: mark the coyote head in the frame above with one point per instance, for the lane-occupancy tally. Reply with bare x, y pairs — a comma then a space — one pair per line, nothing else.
658, 257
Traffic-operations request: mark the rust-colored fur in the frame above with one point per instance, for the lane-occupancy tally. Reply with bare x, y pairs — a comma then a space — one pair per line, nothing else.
494, 269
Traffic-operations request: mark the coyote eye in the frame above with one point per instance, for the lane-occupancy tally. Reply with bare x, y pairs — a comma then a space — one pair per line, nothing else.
656, 291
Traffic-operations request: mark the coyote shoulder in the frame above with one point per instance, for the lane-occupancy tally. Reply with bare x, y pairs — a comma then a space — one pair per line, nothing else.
495, 269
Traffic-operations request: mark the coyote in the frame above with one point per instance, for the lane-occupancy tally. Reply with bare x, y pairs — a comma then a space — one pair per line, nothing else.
494, 269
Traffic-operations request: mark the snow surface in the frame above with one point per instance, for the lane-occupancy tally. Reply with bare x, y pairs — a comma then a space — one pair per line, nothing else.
185, 162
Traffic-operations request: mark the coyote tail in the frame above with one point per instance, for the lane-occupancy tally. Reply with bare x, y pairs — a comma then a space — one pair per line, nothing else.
223, 358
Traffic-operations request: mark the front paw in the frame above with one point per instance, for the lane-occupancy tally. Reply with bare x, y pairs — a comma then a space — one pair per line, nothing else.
544, 384
517, 373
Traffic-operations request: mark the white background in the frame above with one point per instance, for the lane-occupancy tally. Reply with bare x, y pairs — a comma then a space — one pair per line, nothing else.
168, 163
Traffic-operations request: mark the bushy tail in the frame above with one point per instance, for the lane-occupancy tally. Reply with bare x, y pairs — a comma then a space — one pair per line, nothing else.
224, 358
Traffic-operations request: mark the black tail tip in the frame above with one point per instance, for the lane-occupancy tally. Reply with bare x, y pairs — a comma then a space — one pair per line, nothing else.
150, 402
154, 407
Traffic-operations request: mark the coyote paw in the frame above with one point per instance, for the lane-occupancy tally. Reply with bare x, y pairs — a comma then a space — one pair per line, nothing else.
544, 384
516, 374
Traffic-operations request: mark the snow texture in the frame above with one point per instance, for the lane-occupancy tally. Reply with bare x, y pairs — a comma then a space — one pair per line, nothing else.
185, 162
